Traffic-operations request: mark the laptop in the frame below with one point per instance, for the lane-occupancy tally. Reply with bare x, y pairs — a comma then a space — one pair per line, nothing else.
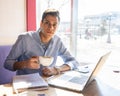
76, 81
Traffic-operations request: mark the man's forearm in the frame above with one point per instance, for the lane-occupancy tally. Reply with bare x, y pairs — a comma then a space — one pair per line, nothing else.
19, 65
64, 68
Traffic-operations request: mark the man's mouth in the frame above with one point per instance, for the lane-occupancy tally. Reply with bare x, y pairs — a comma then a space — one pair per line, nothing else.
49, 32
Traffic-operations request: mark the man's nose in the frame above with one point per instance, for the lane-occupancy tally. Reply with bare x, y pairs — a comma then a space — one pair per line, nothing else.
51, 26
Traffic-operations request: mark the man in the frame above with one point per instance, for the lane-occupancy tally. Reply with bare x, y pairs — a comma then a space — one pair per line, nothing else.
23, 56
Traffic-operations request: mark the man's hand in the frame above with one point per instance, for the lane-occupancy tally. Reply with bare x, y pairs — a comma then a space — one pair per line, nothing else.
32, 63
48, 71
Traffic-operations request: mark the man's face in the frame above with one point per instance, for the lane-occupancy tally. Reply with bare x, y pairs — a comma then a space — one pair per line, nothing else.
49, 26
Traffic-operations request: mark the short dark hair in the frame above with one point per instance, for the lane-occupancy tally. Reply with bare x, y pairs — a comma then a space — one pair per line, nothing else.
52, 12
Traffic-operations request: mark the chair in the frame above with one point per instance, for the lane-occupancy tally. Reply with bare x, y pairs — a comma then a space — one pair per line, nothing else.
5, 75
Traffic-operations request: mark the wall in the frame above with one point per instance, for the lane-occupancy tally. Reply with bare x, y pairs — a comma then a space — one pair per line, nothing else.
12, 20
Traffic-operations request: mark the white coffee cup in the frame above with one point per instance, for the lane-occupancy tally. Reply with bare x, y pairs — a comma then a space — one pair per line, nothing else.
45, 60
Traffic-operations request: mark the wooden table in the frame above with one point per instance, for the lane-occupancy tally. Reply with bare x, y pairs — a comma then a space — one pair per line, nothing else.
106, 84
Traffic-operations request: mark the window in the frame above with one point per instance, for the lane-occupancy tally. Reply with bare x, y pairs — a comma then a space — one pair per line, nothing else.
98, 29
98, 26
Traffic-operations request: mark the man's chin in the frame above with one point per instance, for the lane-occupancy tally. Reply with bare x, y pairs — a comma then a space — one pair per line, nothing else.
50, 35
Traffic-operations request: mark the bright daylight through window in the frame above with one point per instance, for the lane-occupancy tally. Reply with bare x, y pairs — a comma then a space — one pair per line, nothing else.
98, 26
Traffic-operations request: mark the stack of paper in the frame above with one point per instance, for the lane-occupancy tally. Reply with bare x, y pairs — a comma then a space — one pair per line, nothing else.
30, 81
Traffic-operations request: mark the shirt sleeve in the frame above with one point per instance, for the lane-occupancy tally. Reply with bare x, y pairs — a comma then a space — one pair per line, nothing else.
67, 57
16, 51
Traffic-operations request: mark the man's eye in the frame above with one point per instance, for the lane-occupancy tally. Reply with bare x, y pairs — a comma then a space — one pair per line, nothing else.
54, 25
47, 23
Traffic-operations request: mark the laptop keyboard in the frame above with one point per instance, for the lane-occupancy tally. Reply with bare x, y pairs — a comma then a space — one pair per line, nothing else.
76, 79
65, 77
79, 80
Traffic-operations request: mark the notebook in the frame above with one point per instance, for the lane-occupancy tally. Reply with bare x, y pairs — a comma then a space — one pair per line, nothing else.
76, 81
30, 81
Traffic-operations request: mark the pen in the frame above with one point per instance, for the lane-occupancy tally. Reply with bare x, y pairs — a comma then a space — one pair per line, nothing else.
50, 77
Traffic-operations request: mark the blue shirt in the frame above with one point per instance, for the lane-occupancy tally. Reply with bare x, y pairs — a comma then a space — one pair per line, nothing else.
29, 44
